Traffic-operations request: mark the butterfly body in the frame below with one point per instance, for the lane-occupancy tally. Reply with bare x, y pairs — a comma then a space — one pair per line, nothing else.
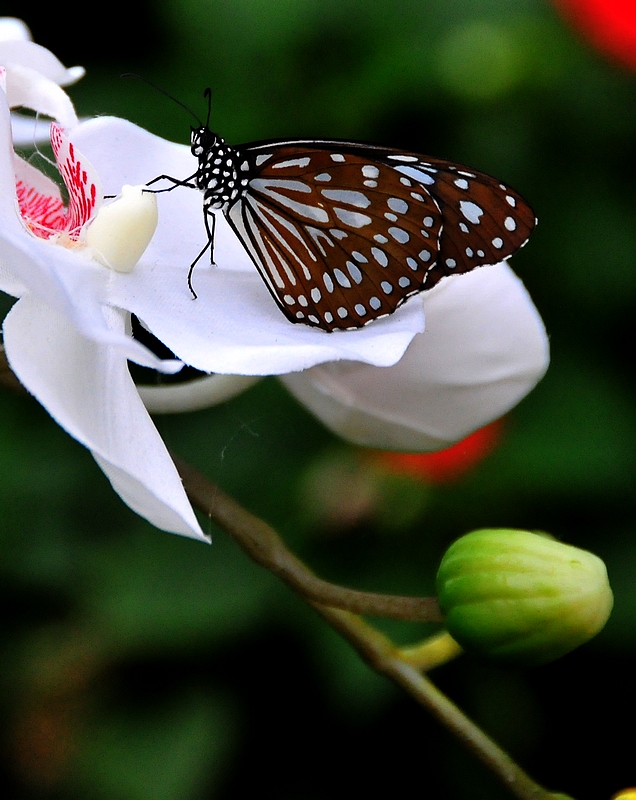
343, 233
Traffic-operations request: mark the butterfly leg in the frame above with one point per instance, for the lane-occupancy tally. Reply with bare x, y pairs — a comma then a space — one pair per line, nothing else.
187, 182
209, 229
210, 226
210, 223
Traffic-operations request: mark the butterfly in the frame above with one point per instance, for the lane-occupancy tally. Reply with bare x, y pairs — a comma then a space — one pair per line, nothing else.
343, 233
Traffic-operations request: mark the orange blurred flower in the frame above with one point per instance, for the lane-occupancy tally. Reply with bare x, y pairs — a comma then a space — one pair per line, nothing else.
444, 465
609, 25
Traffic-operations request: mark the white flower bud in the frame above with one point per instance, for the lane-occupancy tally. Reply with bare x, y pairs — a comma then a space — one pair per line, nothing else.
122, 230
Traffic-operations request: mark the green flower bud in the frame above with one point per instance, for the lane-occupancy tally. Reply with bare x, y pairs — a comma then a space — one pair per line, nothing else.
521, 598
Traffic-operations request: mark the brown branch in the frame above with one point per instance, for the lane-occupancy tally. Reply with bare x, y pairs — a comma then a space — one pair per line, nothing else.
382, 655
263, 545
337, 605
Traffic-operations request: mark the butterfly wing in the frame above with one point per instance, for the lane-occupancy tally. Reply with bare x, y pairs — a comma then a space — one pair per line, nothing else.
332, 237
343, 233
484, 221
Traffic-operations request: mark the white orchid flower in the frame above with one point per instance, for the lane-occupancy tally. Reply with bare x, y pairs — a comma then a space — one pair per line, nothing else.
34, 77
484, 349
68, 337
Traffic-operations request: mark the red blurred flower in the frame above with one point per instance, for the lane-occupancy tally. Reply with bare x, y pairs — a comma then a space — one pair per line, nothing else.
610, 25
444, 465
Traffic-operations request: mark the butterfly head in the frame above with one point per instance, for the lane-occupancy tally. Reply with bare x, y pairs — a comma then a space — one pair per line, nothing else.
203, 140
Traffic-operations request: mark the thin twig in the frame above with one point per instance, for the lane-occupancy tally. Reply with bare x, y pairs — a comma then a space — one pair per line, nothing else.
264, 545
382, 655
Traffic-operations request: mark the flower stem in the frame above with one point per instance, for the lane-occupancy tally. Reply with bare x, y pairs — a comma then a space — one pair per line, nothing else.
432, 652
340, 607
264, 545
380, 653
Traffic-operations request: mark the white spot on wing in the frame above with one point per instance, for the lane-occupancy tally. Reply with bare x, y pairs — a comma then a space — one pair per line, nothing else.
352, 218
292, 162
273, 189
400, 235
319, 236
354, 271
380, 256
262, 158
398, 205
396, 157
417, 174
342, 278
357, 199
471, 211
510, 224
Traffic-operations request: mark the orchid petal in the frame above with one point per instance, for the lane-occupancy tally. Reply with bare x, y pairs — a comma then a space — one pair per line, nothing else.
72, 287
88, 390
483, 350
193, 395
234, 326
27, 131
13, 29
28, 88
22, 52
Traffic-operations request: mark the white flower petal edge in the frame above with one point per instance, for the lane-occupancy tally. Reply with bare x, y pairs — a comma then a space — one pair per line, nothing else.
234, 326
88, 390
34, 77
484, 348
17, 46
69, 347
194, 395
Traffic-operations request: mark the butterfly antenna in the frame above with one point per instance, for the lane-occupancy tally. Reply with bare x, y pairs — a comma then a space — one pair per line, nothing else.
207, 94
165, 93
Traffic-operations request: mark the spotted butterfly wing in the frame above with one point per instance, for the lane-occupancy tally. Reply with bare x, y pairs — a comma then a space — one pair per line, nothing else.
343, 233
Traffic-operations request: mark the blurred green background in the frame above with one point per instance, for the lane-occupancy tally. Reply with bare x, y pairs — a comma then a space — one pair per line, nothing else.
137, 665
